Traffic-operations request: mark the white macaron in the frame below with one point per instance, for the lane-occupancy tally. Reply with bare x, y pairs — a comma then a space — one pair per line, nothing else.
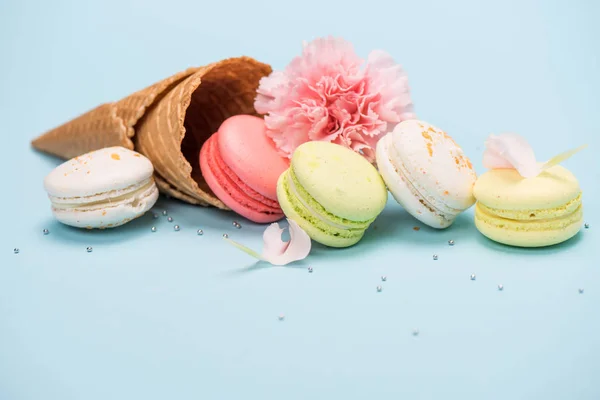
105, 188
426, 172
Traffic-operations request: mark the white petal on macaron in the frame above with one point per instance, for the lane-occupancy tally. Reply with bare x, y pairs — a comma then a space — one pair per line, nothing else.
275, 250
510, 150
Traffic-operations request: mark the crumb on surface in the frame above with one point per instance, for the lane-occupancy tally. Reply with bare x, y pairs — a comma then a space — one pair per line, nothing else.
115, 156
416, 228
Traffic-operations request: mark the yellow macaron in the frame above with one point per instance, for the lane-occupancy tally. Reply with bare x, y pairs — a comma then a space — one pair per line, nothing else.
528, 212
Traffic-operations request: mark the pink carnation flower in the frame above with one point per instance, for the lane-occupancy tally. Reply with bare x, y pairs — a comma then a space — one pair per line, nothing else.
325, 95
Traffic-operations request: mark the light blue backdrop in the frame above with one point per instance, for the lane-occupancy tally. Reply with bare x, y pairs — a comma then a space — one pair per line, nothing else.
173, 315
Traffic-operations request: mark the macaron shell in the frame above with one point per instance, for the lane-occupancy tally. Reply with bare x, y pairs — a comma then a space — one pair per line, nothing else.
506, 189
326, 238
535, 233
434, 163
340, 180
250, 154
109, 214
99, 171
231, 193
528, 212
405, 194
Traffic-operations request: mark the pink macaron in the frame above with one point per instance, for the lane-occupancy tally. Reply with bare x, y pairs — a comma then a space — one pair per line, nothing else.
241, 166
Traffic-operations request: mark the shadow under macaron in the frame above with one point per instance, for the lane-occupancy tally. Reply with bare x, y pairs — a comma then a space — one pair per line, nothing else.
396, 229
209, 219
263, 265
396, 225
529, 251
187, 217
128, 231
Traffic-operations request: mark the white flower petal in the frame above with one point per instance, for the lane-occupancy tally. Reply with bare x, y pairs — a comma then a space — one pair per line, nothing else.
275, 250
510, 150
278, 252
272, 243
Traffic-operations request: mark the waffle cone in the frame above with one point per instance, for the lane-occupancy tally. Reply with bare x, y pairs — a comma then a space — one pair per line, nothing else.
167, 122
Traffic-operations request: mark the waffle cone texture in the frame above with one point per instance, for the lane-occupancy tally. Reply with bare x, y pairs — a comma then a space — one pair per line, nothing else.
167, 122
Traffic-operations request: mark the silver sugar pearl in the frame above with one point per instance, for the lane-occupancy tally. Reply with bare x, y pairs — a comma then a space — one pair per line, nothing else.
176, 227
586, 226
379, 288
415, 332
237, 225
473, 277
45, 231
200, 232
153, 229
225, 235
450, 242
170, 219
384, 278
154, 215
500, 287
310, 269
581, 291
435, 256
89, 249
16, 250
164, 212
281, 317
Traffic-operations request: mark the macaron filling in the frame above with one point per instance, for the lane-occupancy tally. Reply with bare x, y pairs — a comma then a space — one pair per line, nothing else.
562, 221
234, 185
309, 209
531, 215
135, 193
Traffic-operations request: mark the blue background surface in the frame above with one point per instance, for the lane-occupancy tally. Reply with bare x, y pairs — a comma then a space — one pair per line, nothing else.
175, 315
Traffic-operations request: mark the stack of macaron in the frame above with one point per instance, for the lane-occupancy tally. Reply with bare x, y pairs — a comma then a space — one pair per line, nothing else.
330, 145
333, 193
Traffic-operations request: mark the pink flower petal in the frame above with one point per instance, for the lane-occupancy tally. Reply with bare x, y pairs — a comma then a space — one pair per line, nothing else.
272, 243
270, 92
510, 150
278, 252
391, 81
492, 160
326, 94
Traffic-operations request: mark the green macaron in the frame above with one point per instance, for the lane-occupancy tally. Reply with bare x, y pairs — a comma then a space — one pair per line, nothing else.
332, 192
